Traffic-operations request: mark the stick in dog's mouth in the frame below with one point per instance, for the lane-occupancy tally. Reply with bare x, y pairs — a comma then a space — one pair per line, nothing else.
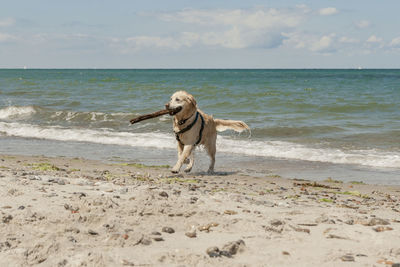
174, 111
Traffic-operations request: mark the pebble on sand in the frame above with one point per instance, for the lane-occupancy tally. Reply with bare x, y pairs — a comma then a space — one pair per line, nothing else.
168, 230
347, 258
191, 234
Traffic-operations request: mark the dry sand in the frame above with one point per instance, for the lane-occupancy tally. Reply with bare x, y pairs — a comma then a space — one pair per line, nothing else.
76, 212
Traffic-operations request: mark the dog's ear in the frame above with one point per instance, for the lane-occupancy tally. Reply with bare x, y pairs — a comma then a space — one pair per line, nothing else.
191, 100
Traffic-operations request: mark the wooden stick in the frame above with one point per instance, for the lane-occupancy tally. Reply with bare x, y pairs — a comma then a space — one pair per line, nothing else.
150, 116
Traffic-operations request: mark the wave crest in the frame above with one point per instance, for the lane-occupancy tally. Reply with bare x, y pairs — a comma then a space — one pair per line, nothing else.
14, 112
277, 149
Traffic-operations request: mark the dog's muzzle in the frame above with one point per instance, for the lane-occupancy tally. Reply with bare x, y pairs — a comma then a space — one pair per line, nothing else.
173, 111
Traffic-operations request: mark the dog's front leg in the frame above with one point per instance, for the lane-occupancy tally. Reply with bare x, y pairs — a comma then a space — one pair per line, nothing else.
190, 161
187, 150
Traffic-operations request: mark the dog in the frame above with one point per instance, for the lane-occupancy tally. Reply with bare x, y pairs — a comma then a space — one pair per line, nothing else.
192, 127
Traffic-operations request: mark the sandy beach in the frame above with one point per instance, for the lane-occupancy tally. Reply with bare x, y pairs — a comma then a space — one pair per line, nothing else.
77, 212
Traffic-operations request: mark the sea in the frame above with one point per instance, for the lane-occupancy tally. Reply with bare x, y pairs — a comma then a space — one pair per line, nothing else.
307, 124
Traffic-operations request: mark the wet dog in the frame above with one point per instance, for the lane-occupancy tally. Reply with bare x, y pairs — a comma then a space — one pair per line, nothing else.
193, 127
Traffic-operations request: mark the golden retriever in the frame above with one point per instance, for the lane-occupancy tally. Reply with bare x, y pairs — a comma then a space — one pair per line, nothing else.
193, 127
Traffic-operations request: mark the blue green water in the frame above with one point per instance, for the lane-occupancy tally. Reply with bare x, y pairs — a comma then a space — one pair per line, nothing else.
332, 116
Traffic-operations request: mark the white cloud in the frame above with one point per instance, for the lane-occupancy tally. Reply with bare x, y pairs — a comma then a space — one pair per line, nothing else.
253, 19
140, 42
374, 42
348, 40
362, 24
5, 37
328, 11
240, 28
7, 22
320, 44
323, 44
374, 39
395, 42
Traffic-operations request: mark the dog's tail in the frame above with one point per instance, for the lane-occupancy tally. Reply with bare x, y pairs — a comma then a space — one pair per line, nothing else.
238, 126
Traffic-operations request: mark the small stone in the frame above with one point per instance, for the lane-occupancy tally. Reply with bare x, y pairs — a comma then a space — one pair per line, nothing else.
382, 228
347, 258
158, 238
80, 194
7, 207
92, 232
125, 236
72, 239
207, 227
21, 207
213, 252
163, 194
276, 222
7, 218
155, 233
396, 265
62, 263
145, 241
333, 236
285, 253
233, 247
230, 212
377, 221
168, 230
298, 229
273, 229
191, 234
127, 263
73, 229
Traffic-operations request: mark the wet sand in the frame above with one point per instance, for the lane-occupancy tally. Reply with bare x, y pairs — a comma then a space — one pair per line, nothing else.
78, 212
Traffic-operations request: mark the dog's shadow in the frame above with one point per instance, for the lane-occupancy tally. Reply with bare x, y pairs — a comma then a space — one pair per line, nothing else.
220, 173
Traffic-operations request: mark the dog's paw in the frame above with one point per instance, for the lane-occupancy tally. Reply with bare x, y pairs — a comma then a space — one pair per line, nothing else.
210, 171
188, 169
174, 171
186, 161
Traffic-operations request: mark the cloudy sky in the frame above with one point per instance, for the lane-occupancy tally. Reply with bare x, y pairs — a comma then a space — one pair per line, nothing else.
200, 34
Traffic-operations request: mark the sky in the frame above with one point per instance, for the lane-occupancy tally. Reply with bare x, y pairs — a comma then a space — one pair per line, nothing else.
200, 34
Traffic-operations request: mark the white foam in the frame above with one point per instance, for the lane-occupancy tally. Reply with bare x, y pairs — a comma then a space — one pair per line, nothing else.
104, 136
15, 112
276, 149
294, 151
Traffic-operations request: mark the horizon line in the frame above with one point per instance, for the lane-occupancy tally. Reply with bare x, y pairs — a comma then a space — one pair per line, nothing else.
93, 68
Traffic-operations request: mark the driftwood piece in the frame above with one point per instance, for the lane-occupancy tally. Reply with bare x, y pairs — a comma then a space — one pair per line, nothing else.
150, 116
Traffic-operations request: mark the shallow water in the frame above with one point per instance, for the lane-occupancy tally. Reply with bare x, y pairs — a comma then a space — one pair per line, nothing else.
340, 117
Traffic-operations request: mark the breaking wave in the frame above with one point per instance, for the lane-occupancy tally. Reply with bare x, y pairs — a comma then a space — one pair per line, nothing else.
277, 149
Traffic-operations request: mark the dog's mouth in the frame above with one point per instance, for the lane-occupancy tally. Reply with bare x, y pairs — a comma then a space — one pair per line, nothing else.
173, 111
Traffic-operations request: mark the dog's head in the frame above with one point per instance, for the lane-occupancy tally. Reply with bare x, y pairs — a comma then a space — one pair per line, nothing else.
181, 103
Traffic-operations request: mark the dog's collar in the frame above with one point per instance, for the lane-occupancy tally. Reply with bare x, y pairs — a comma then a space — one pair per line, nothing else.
183, 121
187, 128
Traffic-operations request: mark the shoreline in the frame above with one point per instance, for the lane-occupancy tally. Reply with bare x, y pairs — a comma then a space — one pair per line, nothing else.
77, 212
251, 165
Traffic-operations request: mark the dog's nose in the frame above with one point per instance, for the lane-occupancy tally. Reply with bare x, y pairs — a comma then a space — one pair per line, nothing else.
167, 106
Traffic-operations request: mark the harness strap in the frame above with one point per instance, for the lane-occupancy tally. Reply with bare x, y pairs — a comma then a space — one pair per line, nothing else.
182, 122
187, 128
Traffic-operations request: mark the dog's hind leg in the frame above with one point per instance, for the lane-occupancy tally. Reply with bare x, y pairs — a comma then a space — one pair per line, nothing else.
187, 150
211, 149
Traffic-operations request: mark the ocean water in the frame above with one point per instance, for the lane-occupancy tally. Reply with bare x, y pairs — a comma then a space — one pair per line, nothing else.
344, 117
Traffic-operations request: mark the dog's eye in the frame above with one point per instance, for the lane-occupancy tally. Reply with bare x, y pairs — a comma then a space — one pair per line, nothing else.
177, 99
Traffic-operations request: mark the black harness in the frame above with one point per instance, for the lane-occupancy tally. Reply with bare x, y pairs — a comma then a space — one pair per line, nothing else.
187, 128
